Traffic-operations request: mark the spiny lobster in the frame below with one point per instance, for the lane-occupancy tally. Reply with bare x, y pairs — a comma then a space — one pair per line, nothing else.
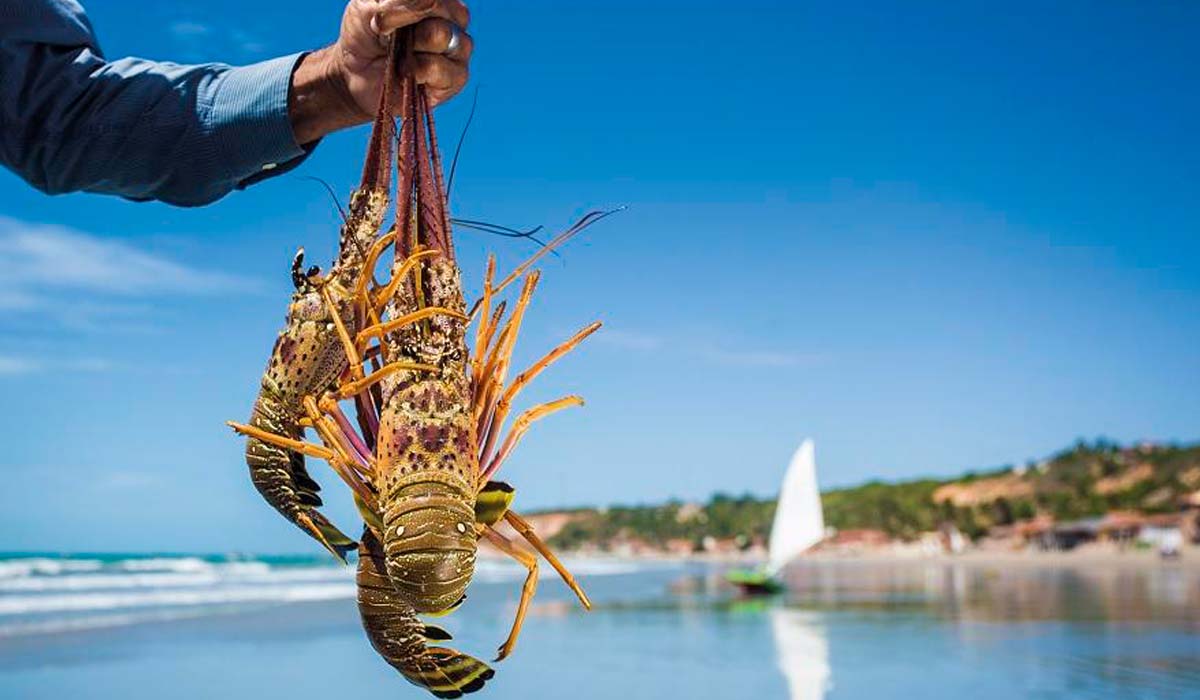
431, 410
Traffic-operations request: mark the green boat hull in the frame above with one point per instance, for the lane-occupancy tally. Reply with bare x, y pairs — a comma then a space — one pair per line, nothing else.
754, 582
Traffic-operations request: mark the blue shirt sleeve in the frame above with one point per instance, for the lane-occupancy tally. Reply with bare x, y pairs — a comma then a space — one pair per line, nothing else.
183, 134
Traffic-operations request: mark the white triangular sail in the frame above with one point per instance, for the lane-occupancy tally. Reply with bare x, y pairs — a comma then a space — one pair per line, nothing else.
799, 521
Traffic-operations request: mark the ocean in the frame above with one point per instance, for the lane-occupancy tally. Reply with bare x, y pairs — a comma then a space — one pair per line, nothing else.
181, 627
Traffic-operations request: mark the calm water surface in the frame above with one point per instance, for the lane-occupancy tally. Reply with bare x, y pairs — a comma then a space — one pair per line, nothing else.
846, 630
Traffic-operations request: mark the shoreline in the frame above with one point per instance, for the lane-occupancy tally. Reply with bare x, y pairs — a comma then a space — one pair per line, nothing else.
1106, 557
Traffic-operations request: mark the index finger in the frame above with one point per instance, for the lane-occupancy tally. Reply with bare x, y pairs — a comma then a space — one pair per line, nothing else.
460, 15
395, 14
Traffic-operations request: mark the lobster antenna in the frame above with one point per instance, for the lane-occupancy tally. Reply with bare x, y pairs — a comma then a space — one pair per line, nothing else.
504, 231
462, 137
332, 195
497, 229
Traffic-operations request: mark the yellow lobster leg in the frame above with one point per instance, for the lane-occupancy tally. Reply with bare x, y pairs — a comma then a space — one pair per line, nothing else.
301, 446
351, 388
529, 561
486, 326
381, 329
372, 258
385, 295
520, 426
352, 353
500, 411
524, 529
496, 367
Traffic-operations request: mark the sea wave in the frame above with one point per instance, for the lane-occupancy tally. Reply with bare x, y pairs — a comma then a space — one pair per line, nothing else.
210, 577
26, 604
45, 566
47, 594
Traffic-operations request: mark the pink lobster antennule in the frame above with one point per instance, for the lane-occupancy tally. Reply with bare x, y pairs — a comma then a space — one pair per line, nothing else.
360, 448
367, 413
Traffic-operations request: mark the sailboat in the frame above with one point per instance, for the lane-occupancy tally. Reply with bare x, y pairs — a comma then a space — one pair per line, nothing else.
799, 524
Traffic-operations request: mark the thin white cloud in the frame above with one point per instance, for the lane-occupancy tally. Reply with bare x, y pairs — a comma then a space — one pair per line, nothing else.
247, 43
624, 339
10, 366
39, 257
16, 300
17, 365
186, 29
757, 358
127, 480
628, 340
196, 41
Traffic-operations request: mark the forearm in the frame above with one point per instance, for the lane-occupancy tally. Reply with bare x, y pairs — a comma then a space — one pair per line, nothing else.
186, 135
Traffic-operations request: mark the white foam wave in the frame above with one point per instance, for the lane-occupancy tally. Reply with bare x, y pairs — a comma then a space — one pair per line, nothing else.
41, 604
180, 564
93, 622
217, 575
42, 595
42, 566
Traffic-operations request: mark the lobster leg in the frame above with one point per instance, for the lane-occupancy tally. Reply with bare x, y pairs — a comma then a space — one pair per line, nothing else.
352, 354
385, 295
522, 526
486, 326
380, 329
368, 268
496, 367
301, 446
349, 389
519, 427
522, 379
536, 368
529, 561
344, 456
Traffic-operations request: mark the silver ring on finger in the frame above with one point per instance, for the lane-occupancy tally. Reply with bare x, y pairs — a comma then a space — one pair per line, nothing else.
455, 40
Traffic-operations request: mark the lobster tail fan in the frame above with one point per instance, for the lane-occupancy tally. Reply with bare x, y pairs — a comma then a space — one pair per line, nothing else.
447, 673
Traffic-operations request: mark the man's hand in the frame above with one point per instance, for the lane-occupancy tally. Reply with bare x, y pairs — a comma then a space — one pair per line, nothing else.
339, 86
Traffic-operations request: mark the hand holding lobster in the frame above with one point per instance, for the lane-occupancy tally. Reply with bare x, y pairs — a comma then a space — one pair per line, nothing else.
340, 85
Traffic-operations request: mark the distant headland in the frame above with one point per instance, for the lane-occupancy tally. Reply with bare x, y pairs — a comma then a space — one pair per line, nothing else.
1145, 495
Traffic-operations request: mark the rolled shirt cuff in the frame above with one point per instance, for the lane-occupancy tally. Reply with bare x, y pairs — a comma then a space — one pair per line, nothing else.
249, 121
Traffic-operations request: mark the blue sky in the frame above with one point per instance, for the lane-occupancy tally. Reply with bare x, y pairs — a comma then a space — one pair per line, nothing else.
933, 238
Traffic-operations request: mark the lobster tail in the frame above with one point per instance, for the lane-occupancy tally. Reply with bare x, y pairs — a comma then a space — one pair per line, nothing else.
281, 477
400, 637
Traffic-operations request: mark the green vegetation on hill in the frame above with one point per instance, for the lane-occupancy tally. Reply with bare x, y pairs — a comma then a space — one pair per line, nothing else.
723, 517
1084, 480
